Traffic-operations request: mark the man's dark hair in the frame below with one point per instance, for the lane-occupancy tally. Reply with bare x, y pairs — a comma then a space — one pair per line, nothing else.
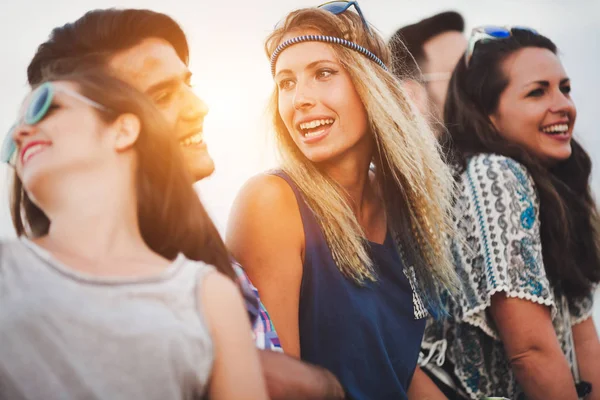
409, 40
98, 35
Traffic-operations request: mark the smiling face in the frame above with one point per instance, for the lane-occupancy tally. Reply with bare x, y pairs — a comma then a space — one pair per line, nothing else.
318, 102
535, 110
154, 68
70, 137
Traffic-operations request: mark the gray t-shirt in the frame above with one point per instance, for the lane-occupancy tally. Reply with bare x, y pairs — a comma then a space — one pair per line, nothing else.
69, 335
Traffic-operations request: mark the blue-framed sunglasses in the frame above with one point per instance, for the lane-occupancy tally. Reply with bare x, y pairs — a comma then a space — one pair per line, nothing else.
338, 7
491, 32
38, 104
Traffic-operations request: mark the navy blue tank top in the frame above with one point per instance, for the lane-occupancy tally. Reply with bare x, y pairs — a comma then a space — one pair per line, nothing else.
367, 336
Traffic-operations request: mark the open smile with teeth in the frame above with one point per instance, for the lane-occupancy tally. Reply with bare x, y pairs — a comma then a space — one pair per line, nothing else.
315, 128
32, 151
192, 140
557, 129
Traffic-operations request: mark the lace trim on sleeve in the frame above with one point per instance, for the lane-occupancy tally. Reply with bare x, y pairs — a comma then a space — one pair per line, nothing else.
475, 317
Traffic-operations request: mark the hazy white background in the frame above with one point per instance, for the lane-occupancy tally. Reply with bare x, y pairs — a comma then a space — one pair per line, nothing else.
232, 72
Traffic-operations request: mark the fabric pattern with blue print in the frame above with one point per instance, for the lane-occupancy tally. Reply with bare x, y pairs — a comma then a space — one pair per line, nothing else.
497, 249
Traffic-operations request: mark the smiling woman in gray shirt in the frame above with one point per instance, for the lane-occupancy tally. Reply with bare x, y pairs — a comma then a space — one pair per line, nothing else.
117, 287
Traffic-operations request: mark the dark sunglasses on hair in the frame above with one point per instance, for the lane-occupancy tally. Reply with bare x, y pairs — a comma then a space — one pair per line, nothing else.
490, 32
338, 7
36, 109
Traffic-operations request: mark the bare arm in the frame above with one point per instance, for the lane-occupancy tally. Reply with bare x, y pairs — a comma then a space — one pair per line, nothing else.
291, 379
587, 349
265, 234
532, 348
423, 388
236, 370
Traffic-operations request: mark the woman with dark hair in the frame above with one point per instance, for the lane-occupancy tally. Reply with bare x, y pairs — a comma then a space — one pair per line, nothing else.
110, 291
527, 247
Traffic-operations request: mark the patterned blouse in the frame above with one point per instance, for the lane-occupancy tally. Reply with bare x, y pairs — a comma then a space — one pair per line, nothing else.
498, 250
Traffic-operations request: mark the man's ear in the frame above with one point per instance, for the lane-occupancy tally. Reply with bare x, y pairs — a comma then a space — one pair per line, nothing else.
418, 94
127, 128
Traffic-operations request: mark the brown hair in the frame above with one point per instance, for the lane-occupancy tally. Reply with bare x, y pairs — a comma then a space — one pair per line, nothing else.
95, 37
171, 217
568, 216
407, 42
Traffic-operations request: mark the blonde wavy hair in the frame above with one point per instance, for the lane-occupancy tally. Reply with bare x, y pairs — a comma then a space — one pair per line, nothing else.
414, 180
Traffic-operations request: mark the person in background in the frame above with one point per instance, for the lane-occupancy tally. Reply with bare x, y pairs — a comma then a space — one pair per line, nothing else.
347, 258
527, 245
97, 302
424, 56
149, 50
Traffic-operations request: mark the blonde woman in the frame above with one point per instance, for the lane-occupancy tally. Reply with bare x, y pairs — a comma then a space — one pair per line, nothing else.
346, 258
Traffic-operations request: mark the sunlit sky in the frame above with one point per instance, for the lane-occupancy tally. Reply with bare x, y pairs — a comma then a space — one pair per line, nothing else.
232, 72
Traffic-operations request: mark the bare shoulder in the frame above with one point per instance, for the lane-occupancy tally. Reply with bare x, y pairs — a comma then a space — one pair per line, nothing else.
266, 191
215, 283
218, 290
220, 301
221, 304
236, 372
265, 231
266, 205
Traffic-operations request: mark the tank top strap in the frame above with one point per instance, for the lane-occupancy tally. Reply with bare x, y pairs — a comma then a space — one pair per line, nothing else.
313, 236
312, 230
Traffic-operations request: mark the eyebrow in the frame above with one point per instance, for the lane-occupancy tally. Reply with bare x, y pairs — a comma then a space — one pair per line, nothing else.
312, 65
169, 82
546, 83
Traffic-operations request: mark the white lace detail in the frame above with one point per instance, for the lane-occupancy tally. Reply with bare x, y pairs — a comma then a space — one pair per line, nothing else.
499, 250
575, 321
419, 309
440, 346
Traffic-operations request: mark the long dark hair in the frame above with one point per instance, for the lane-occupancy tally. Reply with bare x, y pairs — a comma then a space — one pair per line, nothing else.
171, 217
568, 214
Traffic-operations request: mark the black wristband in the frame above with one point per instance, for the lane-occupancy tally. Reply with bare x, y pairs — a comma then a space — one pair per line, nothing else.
583, 388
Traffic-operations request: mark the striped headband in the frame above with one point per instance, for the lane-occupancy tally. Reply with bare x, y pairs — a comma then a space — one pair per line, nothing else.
324, 39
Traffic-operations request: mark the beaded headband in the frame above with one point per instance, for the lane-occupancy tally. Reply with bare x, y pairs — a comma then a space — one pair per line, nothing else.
324, 39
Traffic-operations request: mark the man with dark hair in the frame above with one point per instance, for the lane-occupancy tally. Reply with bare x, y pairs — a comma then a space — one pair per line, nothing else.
149, 50
425, 54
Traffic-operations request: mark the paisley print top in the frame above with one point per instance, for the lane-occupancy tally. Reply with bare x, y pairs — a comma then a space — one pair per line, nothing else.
497, 249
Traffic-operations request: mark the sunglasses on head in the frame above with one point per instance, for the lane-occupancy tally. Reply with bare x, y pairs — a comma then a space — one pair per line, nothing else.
490, 32
338, 7
36, 108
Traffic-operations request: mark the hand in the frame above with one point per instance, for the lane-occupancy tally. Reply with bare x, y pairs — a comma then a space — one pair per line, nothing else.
291, 379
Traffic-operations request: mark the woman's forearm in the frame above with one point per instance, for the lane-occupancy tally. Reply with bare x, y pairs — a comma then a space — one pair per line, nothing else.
544, 375
587, 349
291, 379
